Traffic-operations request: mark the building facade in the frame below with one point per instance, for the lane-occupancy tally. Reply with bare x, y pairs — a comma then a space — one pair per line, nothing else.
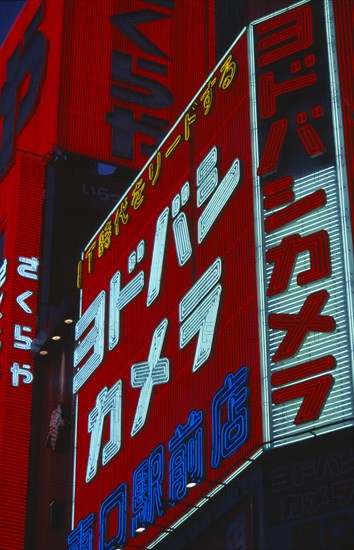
176, 275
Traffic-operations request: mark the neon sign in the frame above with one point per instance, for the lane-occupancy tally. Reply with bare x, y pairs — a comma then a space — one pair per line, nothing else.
186, 465
302, 224
22, 333
207, 181
21, 328
212, 237
3, 270
29, 58
156, 96
19, 278
160, 351
29, 77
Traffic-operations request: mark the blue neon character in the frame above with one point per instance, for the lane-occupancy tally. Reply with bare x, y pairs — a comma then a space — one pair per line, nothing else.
80, 538
186, 461
147, 490
229, 402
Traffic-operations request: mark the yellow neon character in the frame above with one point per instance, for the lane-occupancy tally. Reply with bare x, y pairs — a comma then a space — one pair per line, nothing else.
79, 274
121, 215
228, 70
88, 256
188, 121
207, 96
104, 238
137, 194
173, 146
153, 177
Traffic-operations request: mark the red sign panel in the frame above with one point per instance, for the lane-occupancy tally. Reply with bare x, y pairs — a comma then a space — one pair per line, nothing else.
167, 357
29, 83
18, 308
303, 220
129, 68
27, 73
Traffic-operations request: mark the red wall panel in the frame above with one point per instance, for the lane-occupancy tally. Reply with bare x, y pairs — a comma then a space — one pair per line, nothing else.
28, 134
22, 240
124, 61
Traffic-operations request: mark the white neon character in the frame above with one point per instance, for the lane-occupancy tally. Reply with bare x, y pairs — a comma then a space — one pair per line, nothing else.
28, 267
180, 226
207, 183
107, 401
118, 299
3, 269
21, 300
1, 299
207, 176
136, 256
94, 340
18, 371
181, 238
198, 309
151, 373
22, 341
157, 256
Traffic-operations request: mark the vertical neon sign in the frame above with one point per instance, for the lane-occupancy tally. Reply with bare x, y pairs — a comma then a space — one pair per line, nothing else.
302, 225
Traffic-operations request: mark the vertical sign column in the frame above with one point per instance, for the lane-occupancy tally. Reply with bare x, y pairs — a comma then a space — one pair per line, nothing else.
18, 296
30, 62
302, 225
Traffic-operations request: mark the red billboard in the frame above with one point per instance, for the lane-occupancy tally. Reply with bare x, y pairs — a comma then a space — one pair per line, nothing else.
121, 76
18, 308
129, 68
168, 368
199, 341
27, 134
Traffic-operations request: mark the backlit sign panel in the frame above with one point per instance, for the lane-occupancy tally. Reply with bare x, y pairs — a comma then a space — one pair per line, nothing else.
128, 73
303, 233
28, 61
28, 76
167, 362
19, 279
215, 297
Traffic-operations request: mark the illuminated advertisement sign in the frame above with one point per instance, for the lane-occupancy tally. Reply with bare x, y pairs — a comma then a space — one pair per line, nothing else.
135, 73
19, 276
167, 360
215, 303
122, 81
303, 232
27, 78
28, 61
